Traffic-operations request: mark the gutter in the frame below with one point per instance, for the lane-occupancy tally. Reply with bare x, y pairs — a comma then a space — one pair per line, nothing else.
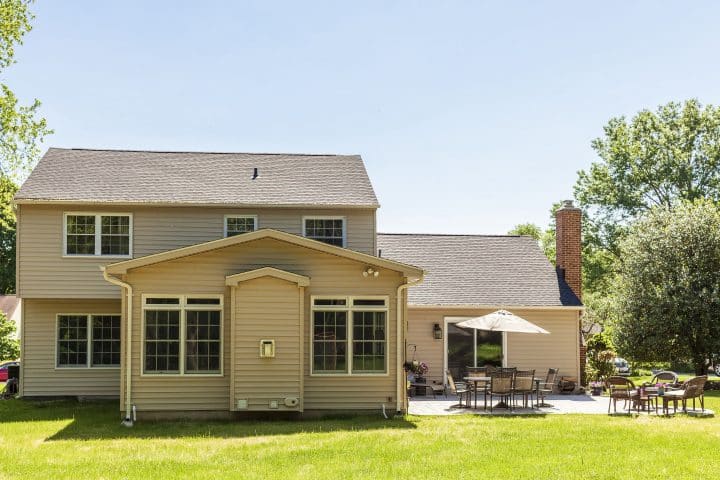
399, 338
128, 347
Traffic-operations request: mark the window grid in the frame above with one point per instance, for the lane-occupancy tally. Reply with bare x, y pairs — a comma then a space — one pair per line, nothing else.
98, 235
238, 225
327, 230
162, 341
202, 341
195, 346
330, 341
364, 346
105, 340
72, 340
368, 341
115, 235
88, 341
80, 235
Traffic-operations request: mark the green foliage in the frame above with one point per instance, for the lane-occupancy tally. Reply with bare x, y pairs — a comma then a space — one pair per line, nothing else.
600, 355
9, 346
527, 229
7, 236
669, 286
21, 128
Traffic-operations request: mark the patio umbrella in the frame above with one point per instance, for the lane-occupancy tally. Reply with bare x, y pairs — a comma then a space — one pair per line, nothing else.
502, 321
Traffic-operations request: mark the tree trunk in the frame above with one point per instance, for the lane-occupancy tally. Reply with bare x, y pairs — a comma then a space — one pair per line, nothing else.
701, 367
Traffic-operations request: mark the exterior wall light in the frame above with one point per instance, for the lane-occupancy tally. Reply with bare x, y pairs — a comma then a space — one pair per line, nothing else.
437, 332
370, 272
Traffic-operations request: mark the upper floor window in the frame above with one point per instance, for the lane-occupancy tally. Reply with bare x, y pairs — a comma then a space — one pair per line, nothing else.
98, 234
325, 229
237, 224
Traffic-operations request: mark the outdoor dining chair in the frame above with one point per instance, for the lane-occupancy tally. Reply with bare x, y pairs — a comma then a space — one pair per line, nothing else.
548, 386
622, 388
501, 385
524, 386
461, 389
691, 389
671, 378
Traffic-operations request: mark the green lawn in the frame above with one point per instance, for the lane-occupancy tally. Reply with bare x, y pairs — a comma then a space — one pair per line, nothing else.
62, 439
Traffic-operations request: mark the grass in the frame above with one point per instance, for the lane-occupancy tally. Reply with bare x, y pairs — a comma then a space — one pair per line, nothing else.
63, 439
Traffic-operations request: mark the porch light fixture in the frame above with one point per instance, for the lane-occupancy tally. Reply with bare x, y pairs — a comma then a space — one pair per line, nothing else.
437, 332
370, 272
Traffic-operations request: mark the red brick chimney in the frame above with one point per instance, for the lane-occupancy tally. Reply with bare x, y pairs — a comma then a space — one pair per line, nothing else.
568, 254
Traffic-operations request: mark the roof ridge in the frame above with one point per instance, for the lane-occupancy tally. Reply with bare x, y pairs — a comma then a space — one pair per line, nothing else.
196, 152
491, 235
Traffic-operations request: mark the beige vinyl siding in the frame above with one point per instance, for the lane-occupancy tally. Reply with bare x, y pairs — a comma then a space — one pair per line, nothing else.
43, 272
205, 274
267, 308
559, 349
40, 377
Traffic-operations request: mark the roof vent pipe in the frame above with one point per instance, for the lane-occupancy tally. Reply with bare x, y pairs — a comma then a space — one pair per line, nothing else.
255, 173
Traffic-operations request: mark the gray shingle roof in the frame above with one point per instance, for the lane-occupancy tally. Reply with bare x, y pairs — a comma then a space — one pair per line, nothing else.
479, 270
120, 176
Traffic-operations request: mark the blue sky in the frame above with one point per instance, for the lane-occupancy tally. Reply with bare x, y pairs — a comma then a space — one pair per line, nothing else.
471, 116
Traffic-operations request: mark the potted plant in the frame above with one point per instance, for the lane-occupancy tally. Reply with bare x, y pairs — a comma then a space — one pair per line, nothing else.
596, 388
416, 371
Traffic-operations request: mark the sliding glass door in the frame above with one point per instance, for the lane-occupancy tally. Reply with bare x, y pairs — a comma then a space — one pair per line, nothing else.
467, 347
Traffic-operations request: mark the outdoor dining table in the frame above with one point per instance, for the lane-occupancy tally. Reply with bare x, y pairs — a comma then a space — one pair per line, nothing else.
477, 380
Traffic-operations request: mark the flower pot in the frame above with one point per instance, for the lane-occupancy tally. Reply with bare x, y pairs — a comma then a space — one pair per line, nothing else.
596, 391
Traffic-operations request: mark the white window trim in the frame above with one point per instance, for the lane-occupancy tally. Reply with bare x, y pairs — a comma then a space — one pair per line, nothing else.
98, 234
182, 307
350, 309
448, 320
225, 222
326, 217
88, 363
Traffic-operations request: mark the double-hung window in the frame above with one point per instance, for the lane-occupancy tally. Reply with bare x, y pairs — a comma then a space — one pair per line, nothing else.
326, 229
182, 335
88, 340
349, 335
237, 224
107, 234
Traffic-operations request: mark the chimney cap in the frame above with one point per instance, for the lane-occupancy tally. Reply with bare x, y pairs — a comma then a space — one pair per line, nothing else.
568, 204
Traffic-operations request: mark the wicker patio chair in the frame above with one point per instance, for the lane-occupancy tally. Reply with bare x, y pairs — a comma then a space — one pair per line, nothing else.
548, 386
461, 389
524, 386
671, 378
692, 388
622, 388
501, 385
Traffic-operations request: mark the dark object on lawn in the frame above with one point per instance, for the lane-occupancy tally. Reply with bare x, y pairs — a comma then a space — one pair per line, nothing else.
567, 385
10, 390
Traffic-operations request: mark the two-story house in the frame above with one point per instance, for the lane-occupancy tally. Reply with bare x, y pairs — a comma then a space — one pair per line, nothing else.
210, 283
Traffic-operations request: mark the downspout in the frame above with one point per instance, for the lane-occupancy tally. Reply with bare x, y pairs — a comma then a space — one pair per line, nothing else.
128, 347
400, 348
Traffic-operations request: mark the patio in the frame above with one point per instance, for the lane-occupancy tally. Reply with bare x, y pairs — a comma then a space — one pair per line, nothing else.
561, 404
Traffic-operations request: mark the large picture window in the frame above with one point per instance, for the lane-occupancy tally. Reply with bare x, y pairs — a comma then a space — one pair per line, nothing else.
182, 335
349, 335
237, 224
325, 229
98, 235
88, 340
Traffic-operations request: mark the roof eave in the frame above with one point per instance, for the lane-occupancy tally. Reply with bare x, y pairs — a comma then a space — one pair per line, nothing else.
494, 306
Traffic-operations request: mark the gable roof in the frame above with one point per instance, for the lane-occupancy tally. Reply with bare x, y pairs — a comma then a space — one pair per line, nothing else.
122, 267
479, 270
196, 178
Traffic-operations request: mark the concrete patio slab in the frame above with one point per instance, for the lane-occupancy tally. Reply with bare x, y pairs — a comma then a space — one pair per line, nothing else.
559, 404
